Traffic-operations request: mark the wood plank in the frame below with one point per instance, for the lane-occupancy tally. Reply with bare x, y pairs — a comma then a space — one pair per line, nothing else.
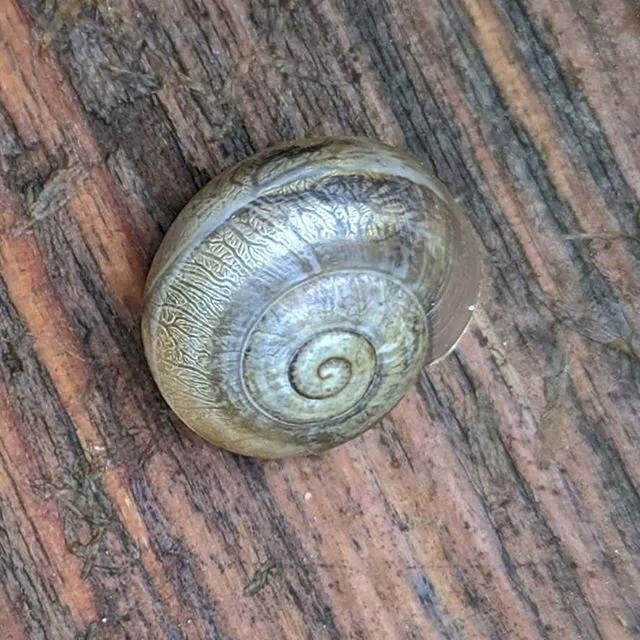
500, 499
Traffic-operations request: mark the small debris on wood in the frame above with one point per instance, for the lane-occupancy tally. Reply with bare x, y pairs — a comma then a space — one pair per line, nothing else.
261, 578
87, 516
190, 83
32, 191
44, 197
11, 360
145, 81
624, 346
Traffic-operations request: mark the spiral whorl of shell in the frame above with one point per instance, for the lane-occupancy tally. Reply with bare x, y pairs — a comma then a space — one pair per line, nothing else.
295, 299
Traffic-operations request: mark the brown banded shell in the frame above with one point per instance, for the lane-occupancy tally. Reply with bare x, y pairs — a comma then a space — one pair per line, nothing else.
296, 297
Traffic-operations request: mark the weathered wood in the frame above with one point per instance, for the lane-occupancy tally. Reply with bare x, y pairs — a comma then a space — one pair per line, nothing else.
500, 499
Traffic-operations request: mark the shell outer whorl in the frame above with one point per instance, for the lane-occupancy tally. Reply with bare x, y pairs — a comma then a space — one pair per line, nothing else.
295, 299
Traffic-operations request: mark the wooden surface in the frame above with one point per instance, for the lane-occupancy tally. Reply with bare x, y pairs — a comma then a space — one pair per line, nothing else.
500, 499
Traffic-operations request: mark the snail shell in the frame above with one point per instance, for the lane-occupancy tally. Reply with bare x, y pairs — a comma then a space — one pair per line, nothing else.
296, 297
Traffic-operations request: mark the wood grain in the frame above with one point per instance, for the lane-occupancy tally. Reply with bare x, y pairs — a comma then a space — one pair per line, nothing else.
501, 499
